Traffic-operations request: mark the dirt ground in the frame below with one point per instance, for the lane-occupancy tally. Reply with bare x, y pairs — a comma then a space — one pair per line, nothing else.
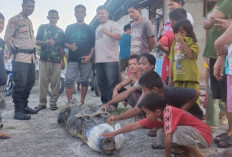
43, 136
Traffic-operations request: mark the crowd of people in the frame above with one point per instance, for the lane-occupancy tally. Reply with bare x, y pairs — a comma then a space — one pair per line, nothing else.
170, 102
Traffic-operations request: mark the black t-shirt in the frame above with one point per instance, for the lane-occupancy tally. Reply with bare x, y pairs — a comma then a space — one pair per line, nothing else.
177, 97
83, 36
2, 67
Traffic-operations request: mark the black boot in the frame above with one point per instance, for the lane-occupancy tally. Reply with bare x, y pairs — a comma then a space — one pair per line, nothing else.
20, 115
29, 110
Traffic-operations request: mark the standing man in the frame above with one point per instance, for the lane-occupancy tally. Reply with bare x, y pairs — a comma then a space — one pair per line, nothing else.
19, 37
51, 40
142, 33
107, 54
79, 39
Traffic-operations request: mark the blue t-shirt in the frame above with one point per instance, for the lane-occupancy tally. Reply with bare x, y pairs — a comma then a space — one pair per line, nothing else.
125, 46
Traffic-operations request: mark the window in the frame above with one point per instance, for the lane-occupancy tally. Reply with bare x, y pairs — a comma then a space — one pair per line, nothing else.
208, 6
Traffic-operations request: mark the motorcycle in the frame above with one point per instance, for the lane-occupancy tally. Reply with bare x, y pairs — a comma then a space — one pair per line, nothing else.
10, 83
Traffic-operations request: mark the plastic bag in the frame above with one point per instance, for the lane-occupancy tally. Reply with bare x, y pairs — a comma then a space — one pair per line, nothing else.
95, 140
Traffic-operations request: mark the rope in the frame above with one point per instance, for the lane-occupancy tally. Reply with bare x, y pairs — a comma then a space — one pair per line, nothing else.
88, 117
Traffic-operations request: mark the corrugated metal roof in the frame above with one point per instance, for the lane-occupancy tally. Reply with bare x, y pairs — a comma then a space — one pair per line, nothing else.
117, 8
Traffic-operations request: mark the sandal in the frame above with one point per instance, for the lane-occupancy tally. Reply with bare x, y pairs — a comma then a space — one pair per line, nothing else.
226, 142
177, 151
40, 107
53, 108
152, 133
4, 136
154, 146
220, 138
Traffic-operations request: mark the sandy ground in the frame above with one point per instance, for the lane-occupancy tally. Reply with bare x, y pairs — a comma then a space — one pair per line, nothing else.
43, 136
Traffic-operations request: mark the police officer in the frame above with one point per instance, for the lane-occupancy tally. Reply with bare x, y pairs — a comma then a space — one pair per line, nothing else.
19, 37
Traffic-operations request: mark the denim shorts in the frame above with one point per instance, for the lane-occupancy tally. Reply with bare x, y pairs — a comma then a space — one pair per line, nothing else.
76, 69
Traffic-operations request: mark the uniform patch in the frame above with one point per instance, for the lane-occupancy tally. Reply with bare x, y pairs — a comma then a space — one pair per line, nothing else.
12, 24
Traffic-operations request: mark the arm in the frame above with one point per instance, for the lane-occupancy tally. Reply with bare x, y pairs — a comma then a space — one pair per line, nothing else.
222, 43
120, 97
185, 47
168, 144
61, 50
210, 21
163, 48
115, 36
207, 77
127, 128
126, 115
9, 35
151, 43
191, 102
120, 86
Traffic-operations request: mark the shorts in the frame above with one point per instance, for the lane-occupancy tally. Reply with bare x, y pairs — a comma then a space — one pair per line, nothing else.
218, 88
229, 93
184, 136
74, 70
123, 64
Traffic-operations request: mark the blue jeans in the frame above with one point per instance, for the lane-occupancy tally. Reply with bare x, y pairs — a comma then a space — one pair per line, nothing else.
107, 78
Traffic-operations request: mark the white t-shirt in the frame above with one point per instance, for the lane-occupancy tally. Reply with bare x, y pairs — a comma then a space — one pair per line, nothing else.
190, 18
230, 59
106, 48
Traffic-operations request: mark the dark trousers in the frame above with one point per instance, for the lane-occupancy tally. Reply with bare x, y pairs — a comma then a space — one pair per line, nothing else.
24, 79
107, 78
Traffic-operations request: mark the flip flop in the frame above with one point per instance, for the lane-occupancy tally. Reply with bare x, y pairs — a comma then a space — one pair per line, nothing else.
154, 146
226, 143
4, 136
220, 137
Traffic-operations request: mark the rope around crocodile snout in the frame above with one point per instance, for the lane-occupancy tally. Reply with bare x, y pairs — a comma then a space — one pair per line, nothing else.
88, 117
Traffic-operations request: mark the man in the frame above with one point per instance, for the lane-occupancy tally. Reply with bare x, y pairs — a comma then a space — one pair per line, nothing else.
107, 54
51, 40
125, 47
79, 39
131, 80
222, 10
3, 77
19, 37
179, 97
142, 33
146, 63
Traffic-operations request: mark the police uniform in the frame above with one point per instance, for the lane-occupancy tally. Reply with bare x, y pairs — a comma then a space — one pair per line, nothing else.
19, 37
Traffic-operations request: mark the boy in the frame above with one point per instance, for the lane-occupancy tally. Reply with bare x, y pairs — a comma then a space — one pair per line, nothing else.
2, 77
183, 98
179, 126
125, 47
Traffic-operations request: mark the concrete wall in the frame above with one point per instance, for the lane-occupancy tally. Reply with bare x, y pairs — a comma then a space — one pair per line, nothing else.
195, 7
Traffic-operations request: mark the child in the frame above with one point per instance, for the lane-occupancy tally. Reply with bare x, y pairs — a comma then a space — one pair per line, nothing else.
2, 77
183, 56
167, 39
179, 126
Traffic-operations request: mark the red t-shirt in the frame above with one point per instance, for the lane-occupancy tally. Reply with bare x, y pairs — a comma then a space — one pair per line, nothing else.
167, 40
174, 117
